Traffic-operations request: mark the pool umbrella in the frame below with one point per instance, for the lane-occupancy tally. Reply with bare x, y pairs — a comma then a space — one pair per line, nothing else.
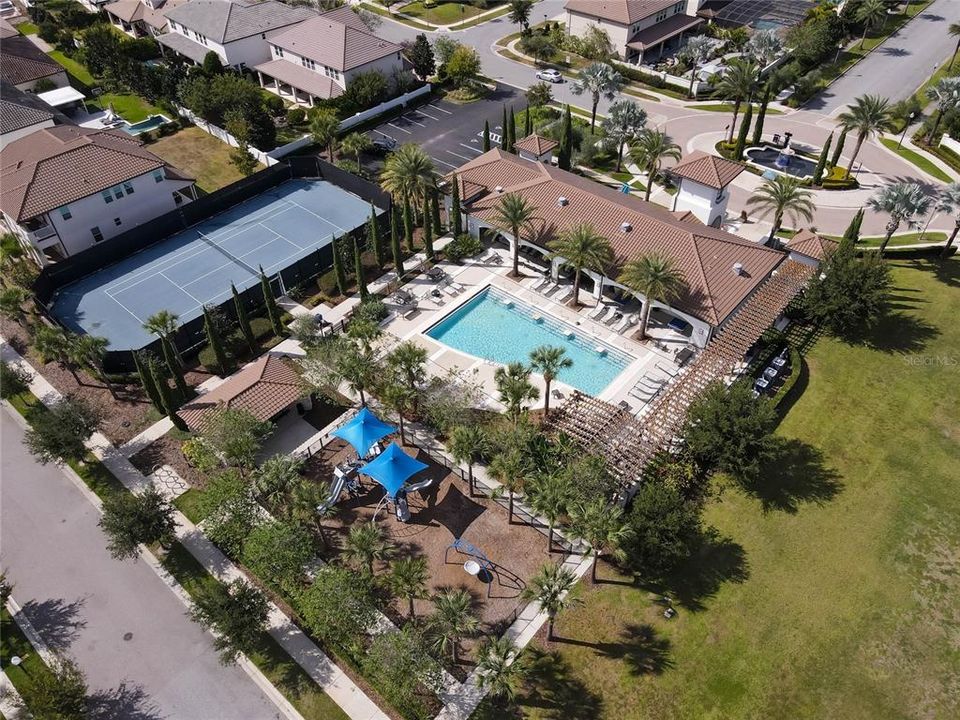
392, 468
363, 431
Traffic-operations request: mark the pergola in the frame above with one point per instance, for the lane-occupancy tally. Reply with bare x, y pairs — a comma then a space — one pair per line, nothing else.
629, 443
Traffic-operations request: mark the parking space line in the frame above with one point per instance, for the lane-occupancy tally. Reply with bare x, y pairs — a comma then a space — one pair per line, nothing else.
478, 151
442, 162
421, 111
410, 119
396, 127
439, 108
462, 157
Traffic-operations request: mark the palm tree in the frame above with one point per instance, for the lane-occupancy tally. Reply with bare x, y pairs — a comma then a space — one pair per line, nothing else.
584, 248
408, 580
652, 147
549, 361
872, 13
509, 468
164, 324
90, 350
468, 443
276, 477
598, 80
782, 195
624, 122
738, 84
409, 361
603, 527
513, 384
306, 500
499, 668
520, 13
358, 369
514, 213
356, 144
696, 51
654, 276
763, 46
954, 30
400, 399
453, 619
53, 344
869, 114
364, 544
903, 202
949, 202
409, 174
550, 587
548, 495
324, 126
946, 94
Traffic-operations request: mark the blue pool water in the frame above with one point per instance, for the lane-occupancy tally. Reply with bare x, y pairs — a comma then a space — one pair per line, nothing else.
497, 326
151, 123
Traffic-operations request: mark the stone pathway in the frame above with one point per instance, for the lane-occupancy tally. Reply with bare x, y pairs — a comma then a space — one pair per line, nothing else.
166, 479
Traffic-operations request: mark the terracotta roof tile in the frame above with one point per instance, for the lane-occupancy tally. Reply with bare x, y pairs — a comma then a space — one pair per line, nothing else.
709, 170
623, 12
21, 61
536, 144
812, 245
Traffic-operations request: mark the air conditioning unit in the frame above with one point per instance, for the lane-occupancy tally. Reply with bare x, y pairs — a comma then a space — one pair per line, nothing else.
499, 189
626, 227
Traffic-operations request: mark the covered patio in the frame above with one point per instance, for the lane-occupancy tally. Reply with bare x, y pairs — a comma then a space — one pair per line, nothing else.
660, 37
296, 83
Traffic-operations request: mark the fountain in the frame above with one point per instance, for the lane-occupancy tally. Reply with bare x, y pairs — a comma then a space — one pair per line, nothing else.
784, 160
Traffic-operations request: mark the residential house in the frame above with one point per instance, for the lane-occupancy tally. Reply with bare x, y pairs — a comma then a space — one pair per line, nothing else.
22, 113
318, 58
93, 6
236, 30
639, 30
63, 189
24, 65
720, 270
141, 18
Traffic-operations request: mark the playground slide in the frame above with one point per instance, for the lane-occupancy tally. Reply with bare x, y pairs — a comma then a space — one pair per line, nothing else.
338, 483
416, 487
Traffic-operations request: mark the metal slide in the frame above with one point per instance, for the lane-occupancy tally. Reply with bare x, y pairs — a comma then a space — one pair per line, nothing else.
338, 483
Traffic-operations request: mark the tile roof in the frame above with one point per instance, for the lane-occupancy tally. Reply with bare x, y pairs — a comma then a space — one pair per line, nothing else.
704, 255
337, 39
710, 170
21, 61
263, 388
301, 78
623, 12
58, 165
133, 10
185, 46
535, 144
7, 30
807, 242
228, 20
663, 30
14, 116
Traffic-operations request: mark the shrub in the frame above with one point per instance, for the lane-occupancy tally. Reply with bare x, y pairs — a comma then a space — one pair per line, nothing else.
59, 434
13, 380
296, 116
274, 104
277, 552
462, 247
131, 519
198, 454
229, 510
372, 309
236, 613
261, 327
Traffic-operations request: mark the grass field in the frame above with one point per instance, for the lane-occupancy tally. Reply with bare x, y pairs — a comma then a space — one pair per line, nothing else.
77, 72
915, 158
832, 590
444, 13
27, 28
200, 155
726, 107
131, 108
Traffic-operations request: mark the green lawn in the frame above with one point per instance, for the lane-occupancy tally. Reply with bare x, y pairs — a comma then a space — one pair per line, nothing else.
444, 13
915, 158
14, 642
77, 72
833, 589
378, 9
131, 108
728, 108
905, 239
27, 28
201, 156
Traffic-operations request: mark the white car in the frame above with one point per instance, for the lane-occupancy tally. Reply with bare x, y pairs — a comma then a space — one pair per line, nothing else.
550, 75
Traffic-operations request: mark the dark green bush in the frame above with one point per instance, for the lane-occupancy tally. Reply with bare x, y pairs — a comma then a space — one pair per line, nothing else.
371, 309
296, 116
462, 247
274, 104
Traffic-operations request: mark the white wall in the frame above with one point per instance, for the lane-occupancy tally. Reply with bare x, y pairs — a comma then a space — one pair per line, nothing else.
578, 25
385, 65
17, 134
249, 51
702, 201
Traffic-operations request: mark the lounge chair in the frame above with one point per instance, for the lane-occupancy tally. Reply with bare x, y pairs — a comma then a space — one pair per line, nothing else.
652, 383
457, 286
614, 317
642, 394
564, 294
449, 290
539, 283
598, 312
627, 321
672, 372
409, 312
549, 288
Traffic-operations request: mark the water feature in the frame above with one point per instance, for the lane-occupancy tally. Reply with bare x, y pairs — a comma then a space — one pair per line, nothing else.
782, 160
151, 123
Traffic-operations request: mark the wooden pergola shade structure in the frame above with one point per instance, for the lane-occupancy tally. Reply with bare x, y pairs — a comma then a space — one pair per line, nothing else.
629, 443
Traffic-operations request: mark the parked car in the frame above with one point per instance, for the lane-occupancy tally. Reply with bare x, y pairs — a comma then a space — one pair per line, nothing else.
550, 75
384, 144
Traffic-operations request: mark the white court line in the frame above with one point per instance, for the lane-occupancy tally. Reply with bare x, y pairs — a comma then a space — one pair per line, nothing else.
182, 288
478, 151
435, 107
462, 157
410, 119
421, 111
400, 129
319, 217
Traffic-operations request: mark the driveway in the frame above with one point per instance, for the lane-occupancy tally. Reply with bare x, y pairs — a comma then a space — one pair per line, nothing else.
900, 65
143, 657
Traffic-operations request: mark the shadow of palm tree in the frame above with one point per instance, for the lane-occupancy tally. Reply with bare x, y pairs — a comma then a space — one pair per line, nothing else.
795, 474
898, 331
56, 620
640, 648
552, 688
124, 702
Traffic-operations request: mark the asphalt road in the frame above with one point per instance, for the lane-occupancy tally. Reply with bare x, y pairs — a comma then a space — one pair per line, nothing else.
900, 65
143, 656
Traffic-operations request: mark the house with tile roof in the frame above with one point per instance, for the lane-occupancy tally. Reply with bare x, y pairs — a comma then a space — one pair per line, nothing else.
536, 147
318, 58
22, 113
64, 189
23, 64
639, 30
720, 270
140, 18
236, 30
810, 248
703, 181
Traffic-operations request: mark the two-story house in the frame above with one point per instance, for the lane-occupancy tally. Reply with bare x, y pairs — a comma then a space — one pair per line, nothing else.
317, 58
638, 29
63, 189
22, 113
236, 30
141, 18
23, 64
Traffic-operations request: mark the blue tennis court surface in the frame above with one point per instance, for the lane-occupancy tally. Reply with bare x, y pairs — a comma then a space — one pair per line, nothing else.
195, 267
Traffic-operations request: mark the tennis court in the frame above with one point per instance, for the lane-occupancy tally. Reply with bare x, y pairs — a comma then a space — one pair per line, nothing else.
196, 267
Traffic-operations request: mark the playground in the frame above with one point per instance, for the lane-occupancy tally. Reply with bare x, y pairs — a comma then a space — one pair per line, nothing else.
506, 555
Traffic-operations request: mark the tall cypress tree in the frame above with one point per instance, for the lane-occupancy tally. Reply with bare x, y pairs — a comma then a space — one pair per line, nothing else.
376, 244
173, 365
838, 150
456, 219
512, 127
408, 224
147, 381
486, 135
270, 302
166, 398
822, 162
427, 228
215, 342
761, 116
435, 213
566, 142
851, 235
744, 131
504, 130
395, 244
338, 270
527, 123
358, 270
243, 320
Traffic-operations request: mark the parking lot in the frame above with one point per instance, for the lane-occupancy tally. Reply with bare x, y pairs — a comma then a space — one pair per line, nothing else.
449, 132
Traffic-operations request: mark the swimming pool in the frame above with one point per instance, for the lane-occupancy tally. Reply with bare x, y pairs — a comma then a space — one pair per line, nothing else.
151, 123
499, 327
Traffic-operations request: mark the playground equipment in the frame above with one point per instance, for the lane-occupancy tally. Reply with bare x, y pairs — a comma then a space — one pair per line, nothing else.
478, 563
363, 431
392, 468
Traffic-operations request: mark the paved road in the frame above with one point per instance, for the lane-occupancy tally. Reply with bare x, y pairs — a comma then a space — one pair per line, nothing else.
144, 658
900, 65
